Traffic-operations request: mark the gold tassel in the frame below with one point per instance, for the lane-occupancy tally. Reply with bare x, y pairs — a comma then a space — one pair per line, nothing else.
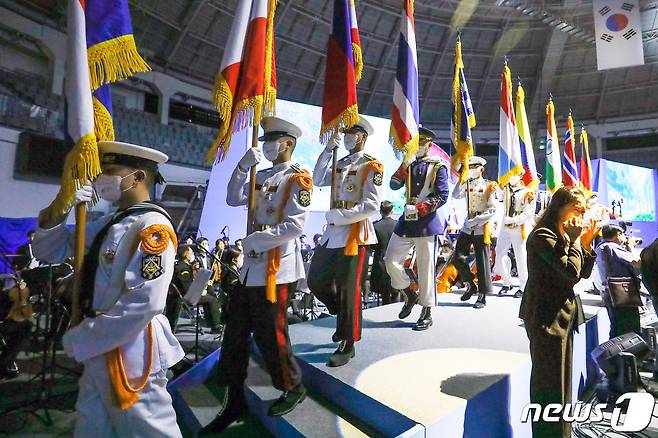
358, 62
81, 165
487, 234
273, 265
114, 60
346, 119
123, 394
523, 231
103, 125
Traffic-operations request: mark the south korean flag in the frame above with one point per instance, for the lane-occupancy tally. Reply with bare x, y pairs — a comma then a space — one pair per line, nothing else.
618, 33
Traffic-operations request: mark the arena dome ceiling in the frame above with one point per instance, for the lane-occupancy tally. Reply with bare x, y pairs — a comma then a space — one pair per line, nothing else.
549, 46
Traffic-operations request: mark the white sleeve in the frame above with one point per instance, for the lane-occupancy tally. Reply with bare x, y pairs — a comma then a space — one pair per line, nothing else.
459, 191
238, 188
54, 245
369, 205
322, 170
527, 213
295, 216
140, 301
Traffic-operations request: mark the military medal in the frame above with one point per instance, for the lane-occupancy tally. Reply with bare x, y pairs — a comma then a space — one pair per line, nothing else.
350, 187
108, 255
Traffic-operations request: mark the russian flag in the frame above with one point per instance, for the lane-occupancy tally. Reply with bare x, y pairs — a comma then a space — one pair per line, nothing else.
509, 151
405, 115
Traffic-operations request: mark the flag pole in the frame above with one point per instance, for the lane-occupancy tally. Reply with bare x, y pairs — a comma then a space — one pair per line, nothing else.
78, 261
252, 185
334, 160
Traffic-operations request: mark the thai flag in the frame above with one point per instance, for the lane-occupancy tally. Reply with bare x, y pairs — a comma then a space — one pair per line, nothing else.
509, 152
405, 116
340, 108
569, 169
245, 86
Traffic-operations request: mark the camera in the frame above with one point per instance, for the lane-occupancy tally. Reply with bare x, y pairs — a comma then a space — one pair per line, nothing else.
625, 225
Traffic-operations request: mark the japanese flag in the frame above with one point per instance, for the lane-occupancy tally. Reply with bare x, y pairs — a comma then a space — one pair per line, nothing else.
618, 33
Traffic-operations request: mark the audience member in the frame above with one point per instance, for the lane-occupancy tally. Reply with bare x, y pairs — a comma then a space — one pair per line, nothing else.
559, 255
380, 281
616, 257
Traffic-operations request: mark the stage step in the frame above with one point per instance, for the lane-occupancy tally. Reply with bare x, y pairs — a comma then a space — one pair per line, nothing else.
313, 417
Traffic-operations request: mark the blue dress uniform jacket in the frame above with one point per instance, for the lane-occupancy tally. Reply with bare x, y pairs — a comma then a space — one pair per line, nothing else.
429, 182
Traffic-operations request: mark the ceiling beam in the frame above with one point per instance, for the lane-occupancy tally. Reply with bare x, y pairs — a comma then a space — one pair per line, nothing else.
190, 14
492, 63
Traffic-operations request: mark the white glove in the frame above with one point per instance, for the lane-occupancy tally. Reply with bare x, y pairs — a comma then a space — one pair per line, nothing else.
252, 157
332, 144
509, 221
84, 193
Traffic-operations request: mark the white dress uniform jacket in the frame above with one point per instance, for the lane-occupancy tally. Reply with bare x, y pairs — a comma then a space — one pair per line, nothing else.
481, 205
521, 206
366, 198
126, 302
270, 187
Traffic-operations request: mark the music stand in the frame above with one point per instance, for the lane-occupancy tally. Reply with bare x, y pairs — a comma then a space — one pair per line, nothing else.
192, 297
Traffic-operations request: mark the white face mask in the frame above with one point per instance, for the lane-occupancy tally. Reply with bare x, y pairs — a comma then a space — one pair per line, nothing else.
422, 150
474, 173
271, 150
349, 140
108, 187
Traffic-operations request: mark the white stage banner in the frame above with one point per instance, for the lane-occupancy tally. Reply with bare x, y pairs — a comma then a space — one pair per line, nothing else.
618, 33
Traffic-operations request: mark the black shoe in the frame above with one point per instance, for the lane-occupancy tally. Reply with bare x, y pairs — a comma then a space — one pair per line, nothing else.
410, 299
481, 302
503, 290
288, 401
425, 320
342, 355
471, 288
234, 407
218, 330
518, 294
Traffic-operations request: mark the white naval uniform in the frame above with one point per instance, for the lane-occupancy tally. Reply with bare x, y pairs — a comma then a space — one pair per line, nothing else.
349, 171
480, 209
523, 211
271, 185
127, 302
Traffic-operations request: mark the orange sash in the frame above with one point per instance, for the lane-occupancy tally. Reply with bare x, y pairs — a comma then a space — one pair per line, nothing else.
304, 181
354, 236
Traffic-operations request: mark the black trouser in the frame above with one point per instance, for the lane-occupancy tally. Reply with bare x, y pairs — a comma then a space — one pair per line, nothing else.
15, 335
482, 260
336, 280
622, 319
212, 310
249, 310
172, 309
390, 295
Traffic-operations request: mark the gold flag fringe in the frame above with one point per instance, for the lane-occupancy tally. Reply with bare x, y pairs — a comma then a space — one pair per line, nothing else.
517, 170
269, 98
406, 150
103, 125
345, 120
81, 165
114, 60
358, 61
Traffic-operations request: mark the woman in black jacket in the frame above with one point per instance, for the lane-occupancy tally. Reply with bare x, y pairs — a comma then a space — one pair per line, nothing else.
559, 255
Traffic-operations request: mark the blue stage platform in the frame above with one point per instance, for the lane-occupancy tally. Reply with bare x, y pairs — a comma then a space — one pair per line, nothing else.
466, 376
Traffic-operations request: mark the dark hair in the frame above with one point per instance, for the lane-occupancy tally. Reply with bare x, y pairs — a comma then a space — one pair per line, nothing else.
201, 240
231, 253
182, 249
562, 197
610, 231
316, 237
385, 208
